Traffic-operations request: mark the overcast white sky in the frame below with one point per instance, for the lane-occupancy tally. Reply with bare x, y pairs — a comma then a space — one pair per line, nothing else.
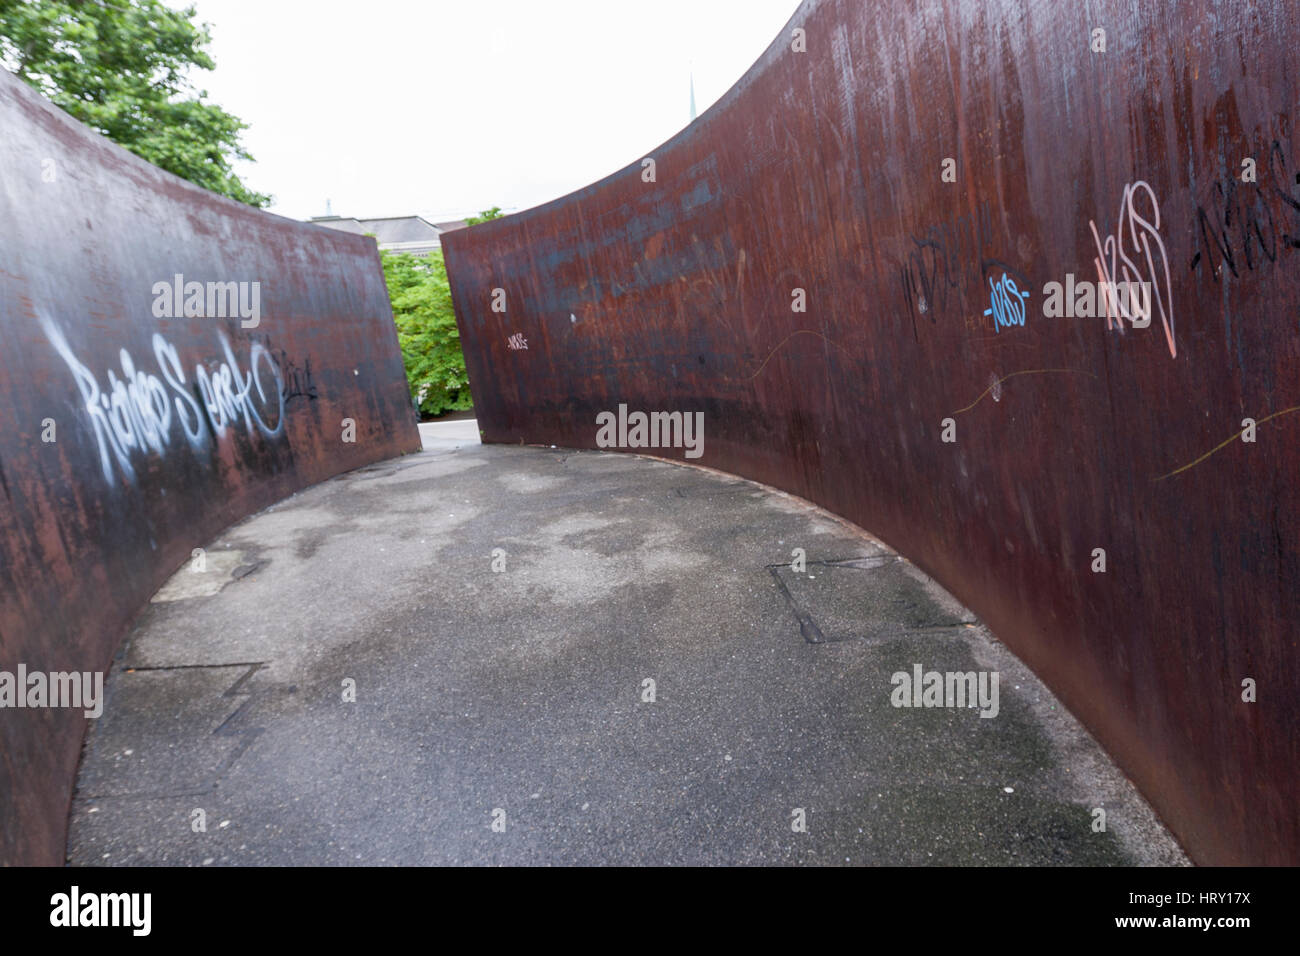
447, 107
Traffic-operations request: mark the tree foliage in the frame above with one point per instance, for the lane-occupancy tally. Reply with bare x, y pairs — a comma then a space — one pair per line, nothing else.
122, 67
426, 331
493, 213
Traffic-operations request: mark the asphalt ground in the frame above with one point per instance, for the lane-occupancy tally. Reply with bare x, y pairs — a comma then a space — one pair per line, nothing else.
497, 612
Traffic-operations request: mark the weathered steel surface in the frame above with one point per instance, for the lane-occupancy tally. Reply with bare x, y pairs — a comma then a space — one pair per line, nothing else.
94, 521
822, 171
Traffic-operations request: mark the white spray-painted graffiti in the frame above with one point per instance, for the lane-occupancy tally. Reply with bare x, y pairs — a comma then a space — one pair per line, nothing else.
135, 413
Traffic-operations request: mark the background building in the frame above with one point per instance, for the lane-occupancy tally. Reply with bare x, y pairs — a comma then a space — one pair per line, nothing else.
411, 234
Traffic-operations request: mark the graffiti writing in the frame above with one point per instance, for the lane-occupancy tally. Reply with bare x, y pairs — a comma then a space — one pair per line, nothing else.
1136, 255
1242, 226
933, 267
298, 382
1007, 303
137, 413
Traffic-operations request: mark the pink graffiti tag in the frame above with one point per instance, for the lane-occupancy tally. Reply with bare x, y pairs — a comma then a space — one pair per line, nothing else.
1144, 243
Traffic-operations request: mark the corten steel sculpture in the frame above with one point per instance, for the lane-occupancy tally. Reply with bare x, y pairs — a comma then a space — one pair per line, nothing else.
132, 430
847, 265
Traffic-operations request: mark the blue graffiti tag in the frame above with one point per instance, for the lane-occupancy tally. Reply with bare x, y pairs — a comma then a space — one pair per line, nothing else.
1007, 303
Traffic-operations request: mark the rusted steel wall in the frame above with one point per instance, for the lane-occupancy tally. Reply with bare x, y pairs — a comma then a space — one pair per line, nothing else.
823, 170
94, 520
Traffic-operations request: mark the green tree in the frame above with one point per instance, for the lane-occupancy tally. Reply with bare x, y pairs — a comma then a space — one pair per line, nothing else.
493, 213
426, 331
122, 68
